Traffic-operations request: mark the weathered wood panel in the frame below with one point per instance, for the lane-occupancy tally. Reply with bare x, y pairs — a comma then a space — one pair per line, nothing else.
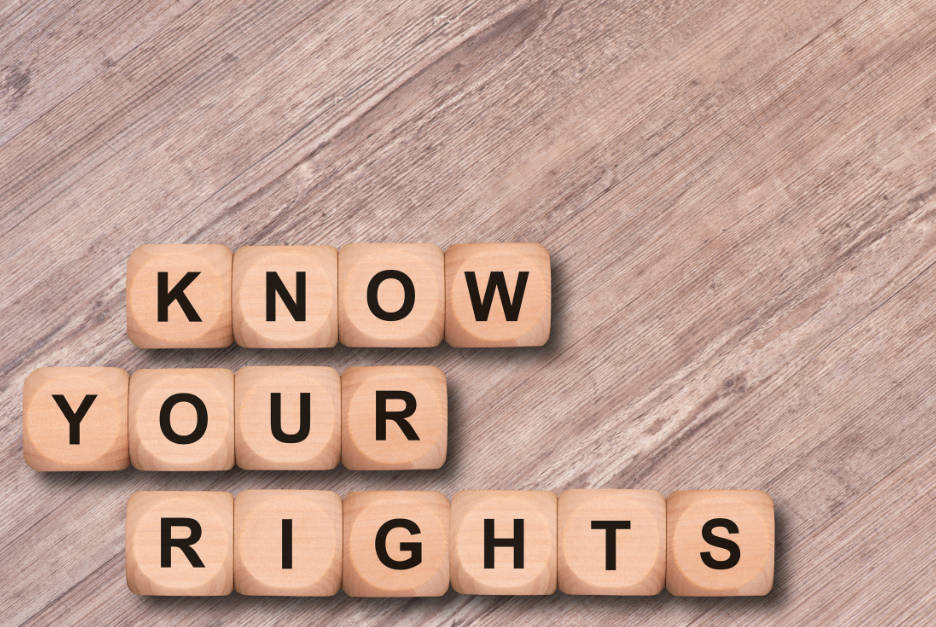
740, 203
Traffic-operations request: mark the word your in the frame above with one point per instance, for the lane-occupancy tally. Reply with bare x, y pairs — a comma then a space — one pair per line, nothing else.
262, 418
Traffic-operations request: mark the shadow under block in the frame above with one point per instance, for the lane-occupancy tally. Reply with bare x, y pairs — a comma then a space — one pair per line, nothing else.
287, 543
179, 296
287, 418
497, 295
391, 295
396, 544
394, 418
182, 419
612, 542
285, 296
719, 543
180, 543
76, 419
503, 542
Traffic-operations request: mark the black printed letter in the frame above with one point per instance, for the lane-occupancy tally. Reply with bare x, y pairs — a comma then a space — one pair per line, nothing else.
274, 286
165, 296
734, 551
287, 543
490, 542
415, 548
409, 295
610, 527
482, 308
398, 417
183, 543
276, 420
74, 418
201, 415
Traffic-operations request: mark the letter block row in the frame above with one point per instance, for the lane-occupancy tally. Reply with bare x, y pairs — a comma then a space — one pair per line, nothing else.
262, 418
377, 295
414, 544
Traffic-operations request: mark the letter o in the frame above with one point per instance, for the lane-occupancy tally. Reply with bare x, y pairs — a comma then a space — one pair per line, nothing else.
201, 413
409, 295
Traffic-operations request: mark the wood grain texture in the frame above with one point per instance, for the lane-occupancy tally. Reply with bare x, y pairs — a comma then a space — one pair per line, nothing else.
314, 542
391, 295
181, 419
516, 314
738, 199
309, 277
255, 445
205, 517
631, 535
695, 519
414, 430
371, 517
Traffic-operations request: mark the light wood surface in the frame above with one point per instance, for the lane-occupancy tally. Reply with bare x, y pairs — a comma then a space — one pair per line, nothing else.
414, 428
314, 543
631, 531
200, 560
719, 543
255, 445
514, 567
413, 529
315, 268
391, 295
182, 419
738, 199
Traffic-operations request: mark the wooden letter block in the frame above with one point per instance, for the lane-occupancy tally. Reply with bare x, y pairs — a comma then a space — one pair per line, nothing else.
287, 418
287, 543
393, 418
286, 296
179, 296
503, 542
612, 542
719, 543
182, 419
76, 419
391, 295
180, 543
497, 295
396, 544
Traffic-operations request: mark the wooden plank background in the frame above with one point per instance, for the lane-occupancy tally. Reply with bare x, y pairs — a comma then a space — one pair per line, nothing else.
740, 202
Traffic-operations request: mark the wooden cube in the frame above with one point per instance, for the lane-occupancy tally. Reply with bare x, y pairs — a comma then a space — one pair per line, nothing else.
497, 295
396, 544
76, 419
503, 542
287, 543
182, 419
179, 296
719, 543
391, 295
393, 418
287, 418
180, 543
286, 296
612, 542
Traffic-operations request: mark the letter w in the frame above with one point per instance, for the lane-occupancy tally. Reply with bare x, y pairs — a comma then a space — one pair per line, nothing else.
482, 308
